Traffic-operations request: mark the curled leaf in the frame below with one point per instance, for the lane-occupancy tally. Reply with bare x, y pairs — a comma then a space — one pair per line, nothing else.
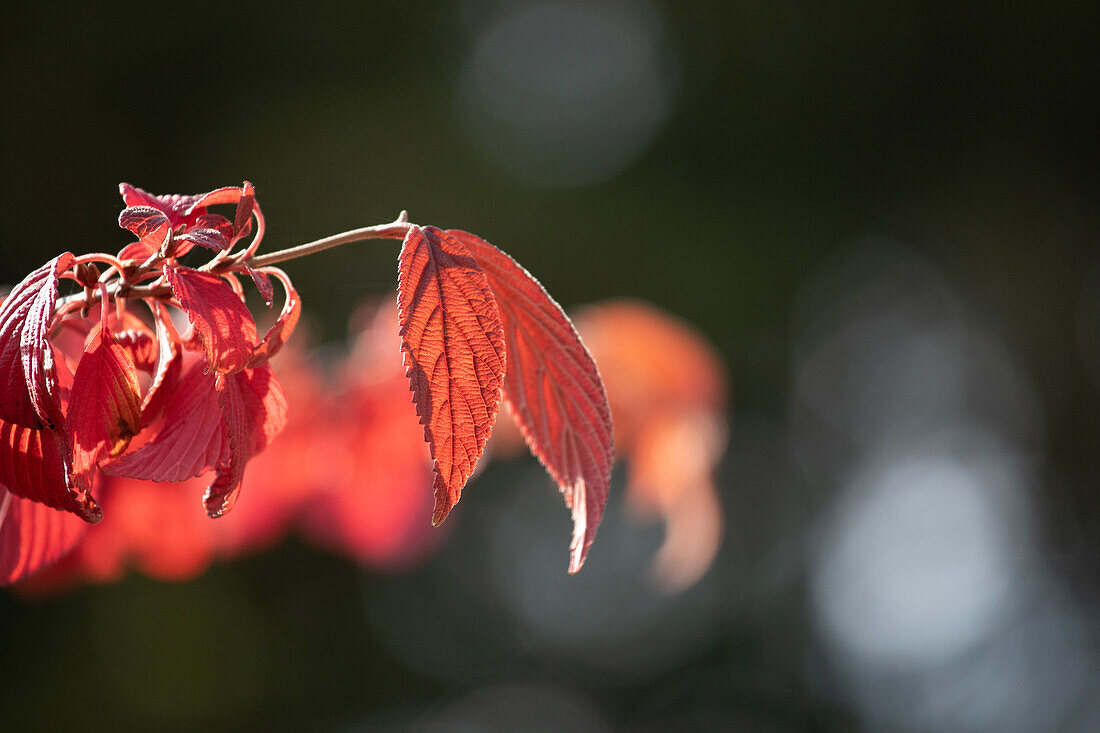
104, 410
453, 344
28, 376
217, 222
140, 345
255, 411
166, 372
242, 219
263, 284
554, 391
191, 441
288, 319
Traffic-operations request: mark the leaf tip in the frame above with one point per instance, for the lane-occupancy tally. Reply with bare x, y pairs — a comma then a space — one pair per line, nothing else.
89, 510
582, 539
443, 506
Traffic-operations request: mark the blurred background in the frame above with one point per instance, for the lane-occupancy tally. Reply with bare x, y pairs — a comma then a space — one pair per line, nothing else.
883, 217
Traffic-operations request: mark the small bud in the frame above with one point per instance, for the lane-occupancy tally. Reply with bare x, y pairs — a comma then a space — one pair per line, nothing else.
168, 246
87, 274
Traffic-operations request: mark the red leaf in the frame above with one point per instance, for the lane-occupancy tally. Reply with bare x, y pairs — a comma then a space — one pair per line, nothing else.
255, 412
263, 283
148, 224
104, 410
453, 344
35, 464
242, 220
668, 392
141, 347
28, 376
282, 328
216, 222
33, 536
223, 322
166, 374
180, 210
211, 422
139, 251
554, 391
191, 441
209, 238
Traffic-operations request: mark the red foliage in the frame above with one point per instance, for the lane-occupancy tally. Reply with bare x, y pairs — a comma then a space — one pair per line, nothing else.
32, 536
454, 354
224, 324
82, 376
553, 390
29, 395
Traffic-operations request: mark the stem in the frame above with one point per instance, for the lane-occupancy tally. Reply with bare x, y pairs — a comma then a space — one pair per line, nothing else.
394, 230
98, 257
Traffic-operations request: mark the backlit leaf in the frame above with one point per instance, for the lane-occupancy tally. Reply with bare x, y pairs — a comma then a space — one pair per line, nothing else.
218, 314
140, 345
242, 219
453, 344
33, 536
166, 373
148, 224
191, 441
282, 328
28, 376
255, 412
263, 284
35, 464
553, 389
668, 391
216, 222
181, 210
104, 409
209, 238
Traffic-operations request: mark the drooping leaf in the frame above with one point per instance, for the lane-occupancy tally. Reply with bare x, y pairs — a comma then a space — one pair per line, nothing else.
32, 536
190, 443
218, 314
263, 284
104, 409
282, 328
553, 389
255, 412
453, 344
36, 464
668, 391
242, 219
166, 373
28, 375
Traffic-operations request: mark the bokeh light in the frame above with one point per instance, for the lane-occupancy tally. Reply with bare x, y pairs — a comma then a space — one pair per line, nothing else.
881, 217
566, 93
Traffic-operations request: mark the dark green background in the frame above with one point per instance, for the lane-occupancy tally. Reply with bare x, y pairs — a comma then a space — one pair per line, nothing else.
969, 133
